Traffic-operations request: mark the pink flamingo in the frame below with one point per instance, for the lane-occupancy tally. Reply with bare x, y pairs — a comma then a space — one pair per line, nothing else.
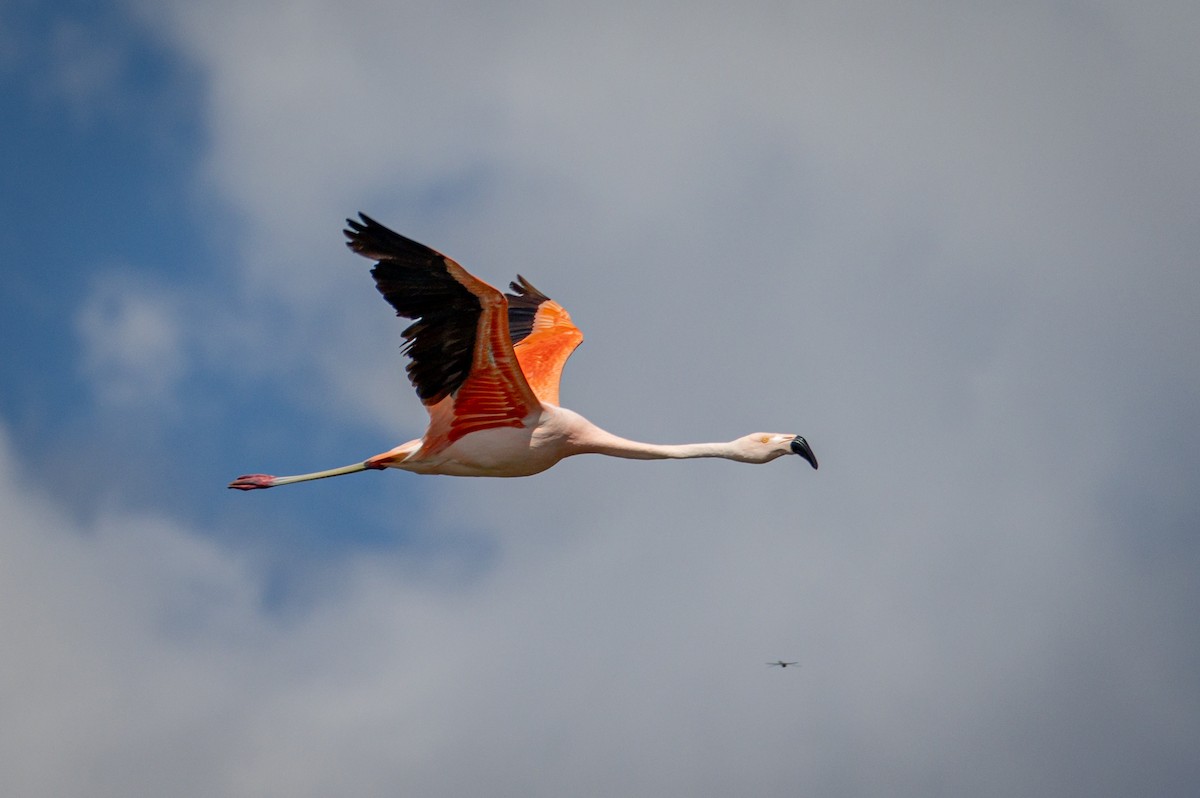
486, 366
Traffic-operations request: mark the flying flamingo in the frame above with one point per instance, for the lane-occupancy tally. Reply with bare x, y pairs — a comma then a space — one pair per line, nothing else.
486, 366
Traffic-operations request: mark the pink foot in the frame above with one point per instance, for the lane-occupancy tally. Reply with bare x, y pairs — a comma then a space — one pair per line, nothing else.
253, 482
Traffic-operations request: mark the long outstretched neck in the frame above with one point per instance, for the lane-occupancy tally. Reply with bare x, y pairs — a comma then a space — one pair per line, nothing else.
598, 441
261, 481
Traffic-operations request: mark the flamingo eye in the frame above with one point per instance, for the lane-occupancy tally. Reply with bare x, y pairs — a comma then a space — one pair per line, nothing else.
764, 439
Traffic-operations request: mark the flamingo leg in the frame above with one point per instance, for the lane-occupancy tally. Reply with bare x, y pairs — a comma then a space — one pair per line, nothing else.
263, 481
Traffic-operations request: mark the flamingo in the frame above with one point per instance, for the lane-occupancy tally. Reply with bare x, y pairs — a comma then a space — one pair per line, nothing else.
486, 365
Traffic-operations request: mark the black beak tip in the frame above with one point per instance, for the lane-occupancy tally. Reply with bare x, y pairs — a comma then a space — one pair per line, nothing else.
801, 447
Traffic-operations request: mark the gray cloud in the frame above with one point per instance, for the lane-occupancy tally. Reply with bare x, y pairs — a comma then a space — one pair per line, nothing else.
953, 250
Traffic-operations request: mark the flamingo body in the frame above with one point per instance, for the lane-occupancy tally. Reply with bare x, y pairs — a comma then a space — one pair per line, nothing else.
487, 367
502, 451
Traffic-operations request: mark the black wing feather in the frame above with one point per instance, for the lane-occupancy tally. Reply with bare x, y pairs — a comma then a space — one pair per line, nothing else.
415, 280
522, 308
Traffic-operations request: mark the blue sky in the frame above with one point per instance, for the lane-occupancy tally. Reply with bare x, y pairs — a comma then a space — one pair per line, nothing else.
956, 251
105, 143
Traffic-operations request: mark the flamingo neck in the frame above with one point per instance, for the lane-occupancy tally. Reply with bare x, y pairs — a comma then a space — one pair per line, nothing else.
599, 441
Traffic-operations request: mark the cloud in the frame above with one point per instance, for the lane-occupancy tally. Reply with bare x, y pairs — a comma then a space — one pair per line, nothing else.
131, 341
609, 650
952, 159
100, 618
954, 251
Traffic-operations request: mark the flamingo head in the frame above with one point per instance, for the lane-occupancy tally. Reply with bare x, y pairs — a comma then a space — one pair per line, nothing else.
763, 447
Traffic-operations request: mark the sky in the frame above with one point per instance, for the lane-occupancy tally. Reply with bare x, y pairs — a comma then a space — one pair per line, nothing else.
953, 245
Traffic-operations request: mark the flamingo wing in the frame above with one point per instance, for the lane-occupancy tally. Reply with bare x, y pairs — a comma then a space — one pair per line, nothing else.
462, 362
543, 337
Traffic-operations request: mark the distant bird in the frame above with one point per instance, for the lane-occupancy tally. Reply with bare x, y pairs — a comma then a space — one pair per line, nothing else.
486, 365
780, 664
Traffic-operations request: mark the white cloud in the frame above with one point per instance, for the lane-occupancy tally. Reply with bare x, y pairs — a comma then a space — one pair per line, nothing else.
953, 250
132, 342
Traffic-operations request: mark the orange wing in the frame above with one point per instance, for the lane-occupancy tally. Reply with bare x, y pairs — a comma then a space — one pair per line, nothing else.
543, 337
462, 363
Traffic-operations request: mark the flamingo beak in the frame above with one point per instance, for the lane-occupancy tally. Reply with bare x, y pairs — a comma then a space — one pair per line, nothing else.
801, 447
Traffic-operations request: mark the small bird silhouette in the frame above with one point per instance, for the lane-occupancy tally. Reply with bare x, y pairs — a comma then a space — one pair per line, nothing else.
487, 365
780, 664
